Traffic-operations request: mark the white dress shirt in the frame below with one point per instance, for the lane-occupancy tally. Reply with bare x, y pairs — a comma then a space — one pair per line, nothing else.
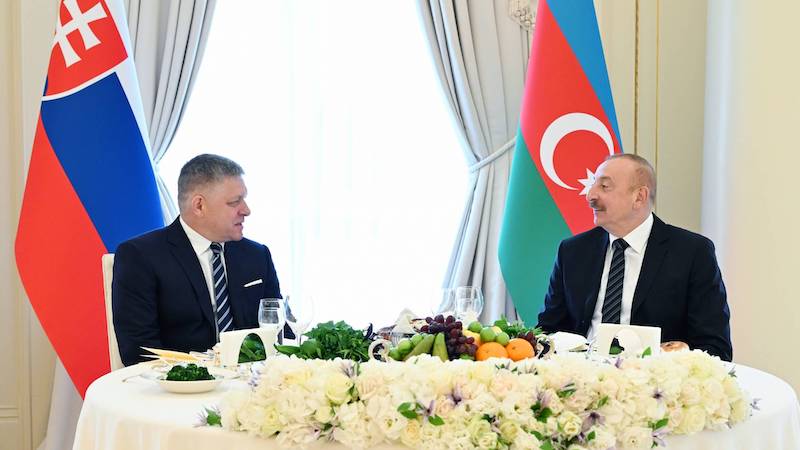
202, 247
634, 255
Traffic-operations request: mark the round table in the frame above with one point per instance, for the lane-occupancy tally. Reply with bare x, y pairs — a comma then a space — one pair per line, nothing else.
122, 411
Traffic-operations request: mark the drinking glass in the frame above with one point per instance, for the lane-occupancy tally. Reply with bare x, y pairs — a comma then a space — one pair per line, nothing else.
468, 302
272, 315
299, 314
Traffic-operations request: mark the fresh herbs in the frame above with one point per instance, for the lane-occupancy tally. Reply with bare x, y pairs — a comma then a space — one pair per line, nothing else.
332, 340
189, 372
515, 329
252, 349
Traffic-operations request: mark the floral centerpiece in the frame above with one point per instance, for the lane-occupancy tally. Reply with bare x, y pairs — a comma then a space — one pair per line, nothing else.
564, 402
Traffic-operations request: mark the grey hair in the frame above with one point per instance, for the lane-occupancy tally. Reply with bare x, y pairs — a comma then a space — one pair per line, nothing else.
203, 170
645, 174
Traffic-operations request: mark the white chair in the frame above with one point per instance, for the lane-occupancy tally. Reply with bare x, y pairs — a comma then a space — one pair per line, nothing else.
113, 348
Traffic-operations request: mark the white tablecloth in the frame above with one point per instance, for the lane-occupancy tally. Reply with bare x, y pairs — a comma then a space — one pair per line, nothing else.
137, 414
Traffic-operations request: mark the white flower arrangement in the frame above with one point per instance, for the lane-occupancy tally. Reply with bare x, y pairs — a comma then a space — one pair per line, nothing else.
565, 402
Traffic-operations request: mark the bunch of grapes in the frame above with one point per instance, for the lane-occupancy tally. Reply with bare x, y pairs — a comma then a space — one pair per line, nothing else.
457, 344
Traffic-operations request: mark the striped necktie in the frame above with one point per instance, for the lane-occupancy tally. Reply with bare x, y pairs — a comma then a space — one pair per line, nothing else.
224, 317
612, 305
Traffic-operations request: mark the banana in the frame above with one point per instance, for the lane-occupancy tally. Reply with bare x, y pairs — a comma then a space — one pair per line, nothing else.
439, 348
424, 346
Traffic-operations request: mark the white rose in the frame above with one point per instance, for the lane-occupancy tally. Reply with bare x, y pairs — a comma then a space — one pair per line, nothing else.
337, 388
297, 435
410, 437
324, 414
271, 422
487, 441
693, 420
477, 427
603, 440
731, 388
636, 438
570, 423
690, 392
482, 372
502, 384
509, 430
739, 411
526, 441
711, 392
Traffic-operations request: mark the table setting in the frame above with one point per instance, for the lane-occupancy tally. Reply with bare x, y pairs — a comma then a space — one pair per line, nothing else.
441, 381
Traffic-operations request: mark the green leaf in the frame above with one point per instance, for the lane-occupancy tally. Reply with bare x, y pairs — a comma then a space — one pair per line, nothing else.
436, 420
547, 445
590, 436
544, 414
538, 435
213, 419
661, 423
602, 402
568, 390
615, 350
409, 414
647, 352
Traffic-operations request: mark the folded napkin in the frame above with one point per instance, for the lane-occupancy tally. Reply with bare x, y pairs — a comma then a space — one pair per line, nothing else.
230, 342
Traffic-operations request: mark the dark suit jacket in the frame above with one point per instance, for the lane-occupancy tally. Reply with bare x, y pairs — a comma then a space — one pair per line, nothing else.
680, 288
160, 298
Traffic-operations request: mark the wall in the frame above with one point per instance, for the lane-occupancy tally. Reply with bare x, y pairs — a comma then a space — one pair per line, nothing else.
26, 357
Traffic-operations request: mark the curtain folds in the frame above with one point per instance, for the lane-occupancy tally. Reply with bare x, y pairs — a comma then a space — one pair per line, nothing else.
480, 54
168, 40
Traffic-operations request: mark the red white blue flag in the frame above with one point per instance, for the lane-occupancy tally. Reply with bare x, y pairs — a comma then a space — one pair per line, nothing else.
90, 182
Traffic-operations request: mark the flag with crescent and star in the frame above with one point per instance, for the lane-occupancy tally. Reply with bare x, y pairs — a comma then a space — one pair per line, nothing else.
90, 182
567, 128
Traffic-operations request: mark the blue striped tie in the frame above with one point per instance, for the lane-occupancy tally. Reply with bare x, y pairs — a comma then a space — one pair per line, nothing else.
612, 305
224, 317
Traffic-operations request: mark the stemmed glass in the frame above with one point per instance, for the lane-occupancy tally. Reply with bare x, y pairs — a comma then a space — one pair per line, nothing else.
299, 314
272, 315
468, 301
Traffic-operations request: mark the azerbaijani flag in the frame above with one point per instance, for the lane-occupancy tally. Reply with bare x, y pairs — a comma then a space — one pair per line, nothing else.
567, 128
90, 182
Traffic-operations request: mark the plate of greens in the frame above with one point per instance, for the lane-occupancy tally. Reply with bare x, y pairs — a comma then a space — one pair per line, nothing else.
189, 379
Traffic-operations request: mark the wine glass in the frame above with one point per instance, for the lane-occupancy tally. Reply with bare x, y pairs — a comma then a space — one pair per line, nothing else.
272, 315
299, 314
468, 301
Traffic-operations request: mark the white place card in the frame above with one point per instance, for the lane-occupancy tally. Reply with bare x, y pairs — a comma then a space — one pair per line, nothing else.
633, 338
230, 342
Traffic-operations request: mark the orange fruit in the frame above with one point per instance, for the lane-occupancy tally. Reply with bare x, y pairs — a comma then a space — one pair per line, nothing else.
490, 350
518, 349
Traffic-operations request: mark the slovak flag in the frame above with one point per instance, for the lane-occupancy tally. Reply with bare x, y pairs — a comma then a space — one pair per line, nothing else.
90, 182
567, 127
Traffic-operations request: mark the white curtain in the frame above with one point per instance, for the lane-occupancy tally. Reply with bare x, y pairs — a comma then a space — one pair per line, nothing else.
481, 55
168, 38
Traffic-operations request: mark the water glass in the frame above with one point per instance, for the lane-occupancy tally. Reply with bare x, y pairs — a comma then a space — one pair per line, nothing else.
468, 303
272, 315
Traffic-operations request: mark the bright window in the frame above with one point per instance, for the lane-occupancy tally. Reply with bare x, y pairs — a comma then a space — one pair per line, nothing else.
355, 175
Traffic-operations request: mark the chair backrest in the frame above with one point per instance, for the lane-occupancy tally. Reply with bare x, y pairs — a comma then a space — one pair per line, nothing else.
113, 348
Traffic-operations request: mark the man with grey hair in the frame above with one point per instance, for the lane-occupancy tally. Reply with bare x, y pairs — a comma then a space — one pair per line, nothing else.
178, 287
635, 269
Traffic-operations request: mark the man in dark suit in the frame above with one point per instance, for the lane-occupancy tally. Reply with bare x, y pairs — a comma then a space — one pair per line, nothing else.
635, 269
180, 286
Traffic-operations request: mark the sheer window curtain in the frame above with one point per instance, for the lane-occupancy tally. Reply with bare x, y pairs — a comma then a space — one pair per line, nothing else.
168, 39
481, 55
339, 125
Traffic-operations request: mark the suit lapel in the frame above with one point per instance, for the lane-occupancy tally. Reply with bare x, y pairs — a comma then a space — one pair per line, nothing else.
184, 253
653, 258
596, 258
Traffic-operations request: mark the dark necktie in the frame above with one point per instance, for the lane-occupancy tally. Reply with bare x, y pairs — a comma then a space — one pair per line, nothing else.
224, 317
612, 305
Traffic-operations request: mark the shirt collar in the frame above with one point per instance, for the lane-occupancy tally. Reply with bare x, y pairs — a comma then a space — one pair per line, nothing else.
199, 243
637, 238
